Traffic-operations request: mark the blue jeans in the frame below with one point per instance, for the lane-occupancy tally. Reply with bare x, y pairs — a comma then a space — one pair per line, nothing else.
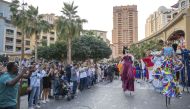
85, 82
81, 87
75, 84
89, 82
34, 96
56, 83
9, 107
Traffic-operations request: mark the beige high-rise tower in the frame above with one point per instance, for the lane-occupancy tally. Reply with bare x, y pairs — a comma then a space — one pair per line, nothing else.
125, 27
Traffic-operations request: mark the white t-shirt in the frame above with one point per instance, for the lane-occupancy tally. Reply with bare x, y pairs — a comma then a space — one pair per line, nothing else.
44, 73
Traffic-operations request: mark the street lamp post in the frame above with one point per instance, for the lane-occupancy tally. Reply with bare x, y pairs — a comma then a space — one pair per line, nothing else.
22, 57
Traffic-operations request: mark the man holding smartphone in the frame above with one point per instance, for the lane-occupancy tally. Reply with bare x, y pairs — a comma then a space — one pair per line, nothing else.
9, 86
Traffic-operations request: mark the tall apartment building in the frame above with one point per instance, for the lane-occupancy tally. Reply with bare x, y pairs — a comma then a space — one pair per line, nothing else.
51, 36
125, 27
163, 16
10, 36
157, 20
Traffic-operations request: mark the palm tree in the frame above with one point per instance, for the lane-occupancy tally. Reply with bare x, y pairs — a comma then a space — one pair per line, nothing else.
38, 25
69, 25
20, 19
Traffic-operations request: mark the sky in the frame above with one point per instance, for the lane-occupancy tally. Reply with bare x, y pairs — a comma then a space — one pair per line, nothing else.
99, 13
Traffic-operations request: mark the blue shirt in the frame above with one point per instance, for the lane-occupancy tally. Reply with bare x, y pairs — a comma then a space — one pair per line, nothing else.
74, 74
8, 94
168, 51
35, 78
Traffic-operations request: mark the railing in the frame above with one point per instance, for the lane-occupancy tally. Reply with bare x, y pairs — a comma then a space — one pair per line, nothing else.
9, 42
18, 43
19, 36
9, 50
8, 34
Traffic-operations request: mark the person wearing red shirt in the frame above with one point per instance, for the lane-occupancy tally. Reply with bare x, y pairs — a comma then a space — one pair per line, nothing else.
149, 64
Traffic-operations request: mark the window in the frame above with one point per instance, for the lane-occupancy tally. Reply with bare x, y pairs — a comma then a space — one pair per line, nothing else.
52, 33
44, 37
8, 48
9, 40
51, 39
19, 33
27, 48
18, 41
27, 42
18, 48
9, 32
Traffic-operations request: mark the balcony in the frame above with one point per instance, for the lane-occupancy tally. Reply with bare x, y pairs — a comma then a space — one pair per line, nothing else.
9, 33
52, 39
8, 48
27, 38
27, 49
52, 33
44, 37
18, 49
9, 43
18, 42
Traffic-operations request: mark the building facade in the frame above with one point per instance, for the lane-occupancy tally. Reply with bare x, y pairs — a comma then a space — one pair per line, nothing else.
11, 36
125, 27
177, 30
97, 33
158, 20
49, 37
163, 16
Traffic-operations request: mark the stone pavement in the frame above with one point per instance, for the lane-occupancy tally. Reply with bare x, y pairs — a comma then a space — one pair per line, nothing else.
110, 96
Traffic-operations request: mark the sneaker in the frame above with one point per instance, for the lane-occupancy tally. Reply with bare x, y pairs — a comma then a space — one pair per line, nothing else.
47, 100
44, 101
38, 106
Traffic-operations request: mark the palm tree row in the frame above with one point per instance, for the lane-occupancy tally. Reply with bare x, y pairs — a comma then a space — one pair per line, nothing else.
68, 26
29, 21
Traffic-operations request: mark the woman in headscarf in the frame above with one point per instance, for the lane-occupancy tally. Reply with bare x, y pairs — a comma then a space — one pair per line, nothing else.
128, 75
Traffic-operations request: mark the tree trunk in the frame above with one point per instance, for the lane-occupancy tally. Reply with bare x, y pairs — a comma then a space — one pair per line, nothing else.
20, 83
36, 52
36, 48
22, 50
69, 51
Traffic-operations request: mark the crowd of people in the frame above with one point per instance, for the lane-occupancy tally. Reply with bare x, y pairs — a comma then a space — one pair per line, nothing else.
54, 79
49, 79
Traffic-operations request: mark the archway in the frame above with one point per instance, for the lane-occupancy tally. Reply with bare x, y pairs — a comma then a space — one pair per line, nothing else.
177, 38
